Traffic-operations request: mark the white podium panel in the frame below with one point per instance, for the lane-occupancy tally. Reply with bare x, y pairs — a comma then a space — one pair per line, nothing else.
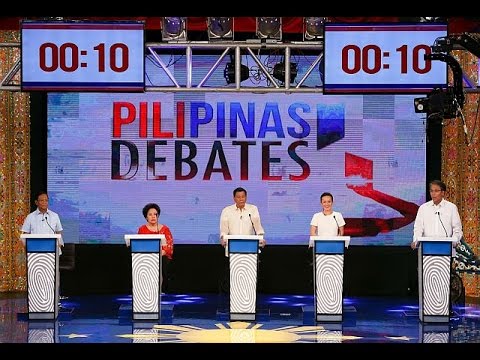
243, 257
43, 275
146, 274
434, 267
328, 253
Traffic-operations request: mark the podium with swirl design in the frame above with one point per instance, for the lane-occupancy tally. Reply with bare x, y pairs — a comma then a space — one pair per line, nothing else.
434, 267
146, 274
43, 275
328, 256
243, 258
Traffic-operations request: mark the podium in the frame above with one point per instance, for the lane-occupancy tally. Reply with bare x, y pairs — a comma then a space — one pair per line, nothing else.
243, 258
328, 258
434, 267
146, 274
43, 275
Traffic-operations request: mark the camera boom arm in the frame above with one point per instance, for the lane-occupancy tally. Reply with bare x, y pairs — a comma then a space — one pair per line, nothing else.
468, 41
457, 74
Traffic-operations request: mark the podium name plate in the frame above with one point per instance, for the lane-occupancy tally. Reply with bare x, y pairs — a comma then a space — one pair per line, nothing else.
345, 239
244, 243
162, 238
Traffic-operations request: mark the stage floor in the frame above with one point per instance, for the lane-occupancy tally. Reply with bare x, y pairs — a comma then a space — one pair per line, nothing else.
204, 318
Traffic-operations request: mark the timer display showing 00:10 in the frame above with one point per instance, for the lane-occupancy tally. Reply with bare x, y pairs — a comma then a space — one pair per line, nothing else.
66, 57
361, 59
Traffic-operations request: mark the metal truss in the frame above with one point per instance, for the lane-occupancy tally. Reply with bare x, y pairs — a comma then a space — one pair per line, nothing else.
7, 81
253, 49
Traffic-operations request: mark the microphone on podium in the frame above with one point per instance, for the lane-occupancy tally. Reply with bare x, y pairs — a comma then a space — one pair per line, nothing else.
441, 222
253, 226
46, 220
336, 221
338, 227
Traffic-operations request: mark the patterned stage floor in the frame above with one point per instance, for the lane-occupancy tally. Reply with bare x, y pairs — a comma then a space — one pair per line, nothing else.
205, 319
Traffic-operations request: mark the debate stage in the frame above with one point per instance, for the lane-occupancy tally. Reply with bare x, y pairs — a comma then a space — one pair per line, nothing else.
204, 318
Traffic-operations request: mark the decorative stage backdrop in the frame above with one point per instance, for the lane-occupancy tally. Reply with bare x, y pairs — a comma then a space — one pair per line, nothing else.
110, 154
14, 172
461, 165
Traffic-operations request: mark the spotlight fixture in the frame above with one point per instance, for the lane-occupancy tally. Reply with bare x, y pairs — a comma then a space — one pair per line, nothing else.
313, 28
279, 71
433, 19
54, 18
174, 29
269, 28
220, 28
229, 72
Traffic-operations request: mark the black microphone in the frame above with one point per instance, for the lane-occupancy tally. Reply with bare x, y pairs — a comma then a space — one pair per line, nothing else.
253, 226
336, 221
46, 219
441, 222
158, 231
338, 227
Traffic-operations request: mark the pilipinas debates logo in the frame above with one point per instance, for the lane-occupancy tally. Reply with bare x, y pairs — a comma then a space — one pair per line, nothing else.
230, 127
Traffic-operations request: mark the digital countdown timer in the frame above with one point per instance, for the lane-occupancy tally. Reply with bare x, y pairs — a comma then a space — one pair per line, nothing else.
379, 58
83, 56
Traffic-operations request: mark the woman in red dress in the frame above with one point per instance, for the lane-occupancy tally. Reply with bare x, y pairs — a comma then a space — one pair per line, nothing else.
151, 212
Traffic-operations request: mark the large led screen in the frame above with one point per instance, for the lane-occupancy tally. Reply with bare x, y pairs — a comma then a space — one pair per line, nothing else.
110, 154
